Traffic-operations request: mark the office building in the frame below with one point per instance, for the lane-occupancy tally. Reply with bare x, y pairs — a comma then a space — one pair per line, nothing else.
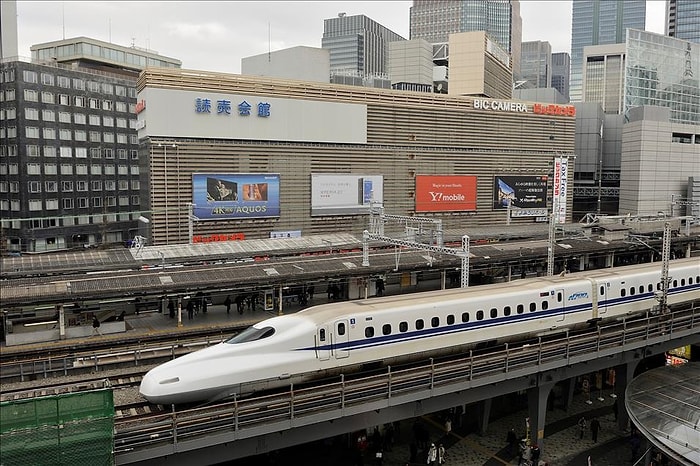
69, 146
600, 22
435, 20
358, 48
604, 76
478, 67
683, 19
411, 65
561, 68
536, 64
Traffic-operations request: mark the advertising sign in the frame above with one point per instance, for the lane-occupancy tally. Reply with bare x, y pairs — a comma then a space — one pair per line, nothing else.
445, 193
224, 196
561, 174
335, 194
522, 192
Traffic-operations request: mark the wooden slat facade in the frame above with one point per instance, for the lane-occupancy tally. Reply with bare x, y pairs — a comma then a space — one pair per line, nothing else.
408, 133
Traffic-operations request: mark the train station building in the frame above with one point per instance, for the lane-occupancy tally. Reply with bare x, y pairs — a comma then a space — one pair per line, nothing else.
232, 157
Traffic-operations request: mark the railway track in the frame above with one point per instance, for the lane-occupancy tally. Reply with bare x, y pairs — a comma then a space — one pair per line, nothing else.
47, 388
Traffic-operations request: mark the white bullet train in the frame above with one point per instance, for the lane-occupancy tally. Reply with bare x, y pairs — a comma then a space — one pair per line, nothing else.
340, 337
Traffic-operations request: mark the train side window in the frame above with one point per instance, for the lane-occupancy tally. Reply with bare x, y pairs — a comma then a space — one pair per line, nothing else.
435, 322
559, 297
658, 286
506, 311
369, 332
533, 307
403, 326
682, 281
450, 319
420, 324
494, 312
465, 317
602, 290
545, 305
480, 314
632, 291
650, 288
322, 334
386, 329
690, 280
520, 309
341, 328
641, 289
623, 292
675, 283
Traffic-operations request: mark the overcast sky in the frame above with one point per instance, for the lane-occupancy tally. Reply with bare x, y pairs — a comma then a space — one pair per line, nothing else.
214, 36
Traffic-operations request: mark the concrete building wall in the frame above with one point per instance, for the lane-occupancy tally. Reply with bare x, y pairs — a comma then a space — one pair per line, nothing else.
411, 61
8, 29
299, 63
478, 67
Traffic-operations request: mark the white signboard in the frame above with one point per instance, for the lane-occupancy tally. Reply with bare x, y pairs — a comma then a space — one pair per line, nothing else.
336, 194
561, 173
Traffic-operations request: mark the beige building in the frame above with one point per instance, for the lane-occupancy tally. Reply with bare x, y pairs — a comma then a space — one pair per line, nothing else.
259, 157
411, 61
479, 66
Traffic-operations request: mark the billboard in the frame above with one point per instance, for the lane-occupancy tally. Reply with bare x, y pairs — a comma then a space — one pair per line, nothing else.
336, 194
522, 192
560, 190
443, 193
224, 196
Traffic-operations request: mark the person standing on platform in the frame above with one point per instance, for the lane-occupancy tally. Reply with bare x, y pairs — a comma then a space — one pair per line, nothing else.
190, 310
171, 308
310, 291
227, 303
512, 439
581, 427
96, 326
595, 427
432, 455
441, 458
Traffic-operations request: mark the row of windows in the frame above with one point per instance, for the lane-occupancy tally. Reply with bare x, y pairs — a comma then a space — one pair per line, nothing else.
48, 79
81, 186
68, 169
37, 205
34, 132
80, 101
32, 150
31, 113
632, 290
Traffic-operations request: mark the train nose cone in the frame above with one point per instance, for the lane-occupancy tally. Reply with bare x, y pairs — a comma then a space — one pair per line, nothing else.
157, 389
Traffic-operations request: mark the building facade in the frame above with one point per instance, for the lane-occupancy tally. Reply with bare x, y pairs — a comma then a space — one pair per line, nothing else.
604, 76
536, 64
260, 158
600, 22
683, 19
435, 20
478, 67
561, 68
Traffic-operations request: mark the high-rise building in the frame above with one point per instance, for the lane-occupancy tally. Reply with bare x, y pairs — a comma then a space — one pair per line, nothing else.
478, 67
683, 19
69, 146
600, 22
561, 68
358, 46
604, 76
8, 29
435, 20
536, 64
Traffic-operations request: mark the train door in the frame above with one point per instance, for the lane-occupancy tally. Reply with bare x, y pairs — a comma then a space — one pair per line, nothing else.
602, 298
560, 302
342, 339
323, 347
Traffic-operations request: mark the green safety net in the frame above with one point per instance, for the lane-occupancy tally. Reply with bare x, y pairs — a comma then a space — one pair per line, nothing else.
72, 429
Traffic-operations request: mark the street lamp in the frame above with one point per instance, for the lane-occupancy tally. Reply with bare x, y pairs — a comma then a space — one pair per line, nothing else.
165, 181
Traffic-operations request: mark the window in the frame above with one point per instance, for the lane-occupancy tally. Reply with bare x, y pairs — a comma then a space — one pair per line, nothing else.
64, 135
50, 169
48, 115
403, 327
641, 289
32, 150
79, 101
82, 202
121, 154
78, 84
95, 152
51, 186
49, 151
47, 79
94, 120
110, 201
30, 95
31, 131
123, 185
122, 139
52, 204
110, 185
95, 169
34, 205
341, 328
108, 137
94, 103
79, 118
64, 81
81, 152
49, 133
107, 105
120, 90
10, 95
68, 203
95, 136
107, 121
107, 88
31, 113
420, 324
121, 122
63, 99
11, 113
121, 106
48, 97
123, 170
623, 292
81, 186
369, 331
134, 155
480, 314
29, 76
435, 322
545, 305
108, 153
520, 309
506, 311
465, 317
67, 186
11, 131
533, 307
35, 187
13, 169
80, 135
81, 169
135, 185
386, 329
97, 202
93, 86
64, 117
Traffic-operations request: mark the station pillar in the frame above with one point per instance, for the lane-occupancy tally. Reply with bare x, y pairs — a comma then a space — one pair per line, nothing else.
61, 322
484, 413
179, 311
624, 373
537, 410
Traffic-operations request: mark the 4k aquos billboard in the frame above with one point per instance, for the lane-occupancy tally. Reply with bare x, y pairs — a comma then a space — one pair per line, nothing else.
222, 196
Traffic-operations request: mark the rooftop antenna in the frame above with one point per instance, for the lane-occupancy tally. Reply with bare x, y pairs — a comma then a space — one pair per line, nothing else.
269, 43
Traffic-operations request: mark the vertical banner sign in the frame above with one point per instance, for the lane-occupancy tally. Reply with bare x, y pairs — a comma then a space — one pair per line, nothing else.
561, 173
269, 300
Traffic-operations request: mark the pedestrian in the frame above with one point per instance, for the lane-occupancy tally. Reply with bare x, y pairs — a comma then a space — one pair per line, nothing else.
512, 439
441, 455
239, 303
205, 303
448, 426
227, 303
96, 326
310, 290
190, 310
595, 427
380, 286
535, 454
432, 455
581, 427
171, 308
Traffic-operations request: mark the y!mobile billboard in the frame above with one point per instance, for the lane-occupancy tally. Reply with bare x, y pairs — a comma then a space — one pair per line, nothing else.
222, 196
443, 193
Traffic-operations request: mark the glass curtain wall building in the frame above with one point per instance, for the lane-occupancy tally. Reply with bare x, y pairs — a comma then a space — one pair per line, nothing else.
599, 22
683, 19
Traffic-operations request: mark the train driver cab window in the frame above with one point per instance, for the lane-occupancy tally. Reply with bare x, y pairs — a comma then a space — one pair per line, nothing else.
450, 319
341, 328
403, 327
465, 317
479, 314
369, 332
520, 309
386, 329
545, 305
435, 322
420, 324
506, 311
251, 334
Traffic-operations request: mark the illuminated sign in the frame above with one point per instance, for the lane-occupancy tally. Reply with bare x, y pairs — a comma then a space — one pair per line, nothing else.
223, 196
521, 192
218, 238
445, 193
500, 105
561, 174
554, 109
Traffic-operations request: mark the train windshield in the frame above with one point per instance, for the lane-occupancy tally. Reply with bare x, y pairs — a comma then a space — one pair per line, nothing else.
251, 334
